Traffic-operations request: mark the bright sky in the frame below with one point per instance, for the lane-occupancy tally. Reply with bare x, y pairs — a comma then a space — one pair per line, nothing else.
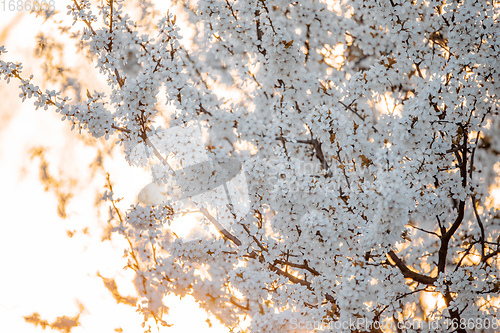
44, 270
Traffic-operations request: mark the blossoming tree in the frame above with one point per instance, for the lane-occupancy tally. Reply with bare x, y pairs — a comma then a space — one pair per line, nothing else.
367, 137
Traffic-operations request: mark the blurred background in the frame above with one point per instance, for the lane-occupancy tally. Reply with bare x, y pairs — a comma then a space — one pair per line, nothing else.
62, 268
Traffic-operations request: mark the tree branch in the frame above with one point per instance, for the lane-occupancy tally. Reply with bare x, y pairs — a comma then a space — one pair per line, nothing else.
301, 266
409, 273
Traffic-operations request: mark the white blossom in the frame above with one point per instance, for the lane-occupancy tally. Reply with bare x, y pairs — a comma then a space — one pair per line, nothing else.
360, 137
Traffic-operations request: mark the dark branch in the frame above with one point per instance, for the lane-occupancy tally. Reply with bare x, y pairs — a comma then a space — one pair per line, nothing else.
301, 266
409, 273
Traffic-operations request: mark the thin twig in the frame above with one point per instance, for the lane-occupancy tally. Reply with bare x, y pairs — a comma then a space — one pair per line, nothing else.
427, 231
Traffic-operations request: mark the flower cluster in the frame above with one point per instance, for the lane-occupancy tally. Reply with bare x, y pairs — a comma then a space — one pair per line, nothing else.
368, 131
